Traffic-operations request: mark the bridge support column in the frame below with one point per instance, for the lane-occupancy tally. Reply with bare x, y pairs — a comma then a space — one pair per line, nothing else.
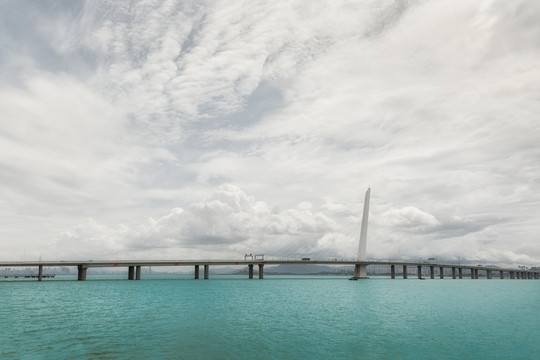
250, 271
40, 273
81, 276
453, 272
476, 273
512, 276
432, 272
529, 275
405, 271
196, 275
360, 272
460, 273
441, 272
131, 272
138, 272
501, 274
261, 271
419, 271
518, 275
488, 274
206, 271
536, 276
472, 274
393, 271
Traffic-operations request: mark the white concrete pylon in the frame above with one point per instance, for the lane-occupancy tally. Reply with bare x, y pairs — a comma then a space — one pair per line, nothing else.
363, 231
359, 269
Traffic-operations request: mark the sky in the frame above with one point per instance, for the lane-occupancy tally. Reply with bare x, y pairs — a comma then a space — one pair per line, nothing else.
211, 129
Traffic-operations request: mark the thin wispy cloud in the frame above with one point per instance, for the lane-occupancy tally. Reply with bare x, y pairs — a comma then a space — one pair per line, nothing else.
159, 129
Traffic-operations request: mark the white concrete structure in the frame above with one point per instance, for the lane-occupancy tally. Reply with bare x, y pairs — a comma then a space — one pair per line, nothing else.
360, 270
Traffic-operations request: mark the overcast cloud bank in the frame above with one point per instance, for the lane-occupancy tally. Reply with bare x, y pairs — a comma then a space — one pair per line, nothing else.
189, 129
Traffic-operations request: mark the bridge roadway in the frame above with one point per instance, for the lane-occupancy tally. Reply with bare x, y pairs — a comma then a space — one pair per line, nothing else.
134, 267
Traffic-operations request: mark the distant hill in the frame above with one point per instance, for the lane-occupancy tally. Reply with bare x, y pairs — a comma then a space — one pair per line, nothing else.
293, 269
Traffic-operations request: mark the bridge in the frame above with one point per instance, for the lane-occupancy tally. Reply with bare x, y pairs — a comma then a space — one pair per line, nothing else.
360, 264
395, 267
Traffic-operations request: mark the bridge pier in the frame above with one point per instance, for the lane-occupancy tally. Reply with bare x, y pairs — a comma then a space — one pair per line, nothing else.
261, 271
196, 274
405, 271
250, 271
536, 276
460, 273
206, 271
488, 274
360, 272
131, 272
453, 272
441, 272
419, 271
432, 272
40, 273
138, 272
393, 271
81, 276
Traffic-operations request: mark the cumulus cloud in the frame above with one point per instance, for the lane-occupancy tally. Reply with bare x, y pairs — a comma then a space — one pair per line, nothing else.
408, 217
229, 222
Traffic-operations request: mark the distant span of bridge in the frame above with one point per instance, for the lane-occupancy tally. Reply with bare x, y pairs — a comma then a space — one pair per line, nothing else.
360, 264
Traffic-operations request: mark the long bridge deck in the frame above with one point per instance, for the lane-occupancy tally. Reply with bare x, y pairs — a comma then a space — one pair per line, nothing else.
134, 266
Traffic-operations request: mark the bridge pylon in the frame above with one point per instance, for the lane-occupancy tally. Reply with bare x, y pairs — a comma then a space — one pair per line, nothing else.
360, 269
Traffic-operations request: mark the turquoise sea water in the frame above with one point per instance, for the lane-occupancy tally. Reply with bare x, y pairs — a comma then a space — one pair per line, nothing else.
280, 317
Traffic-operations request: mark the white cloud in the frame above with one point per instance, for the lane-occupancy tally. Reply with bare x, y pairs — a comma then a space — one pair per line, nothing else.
408, 217
228, 223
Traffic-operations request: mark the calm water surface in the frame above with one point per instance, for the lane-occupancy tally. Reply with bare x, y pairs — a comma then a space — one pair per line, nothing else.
279, 317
